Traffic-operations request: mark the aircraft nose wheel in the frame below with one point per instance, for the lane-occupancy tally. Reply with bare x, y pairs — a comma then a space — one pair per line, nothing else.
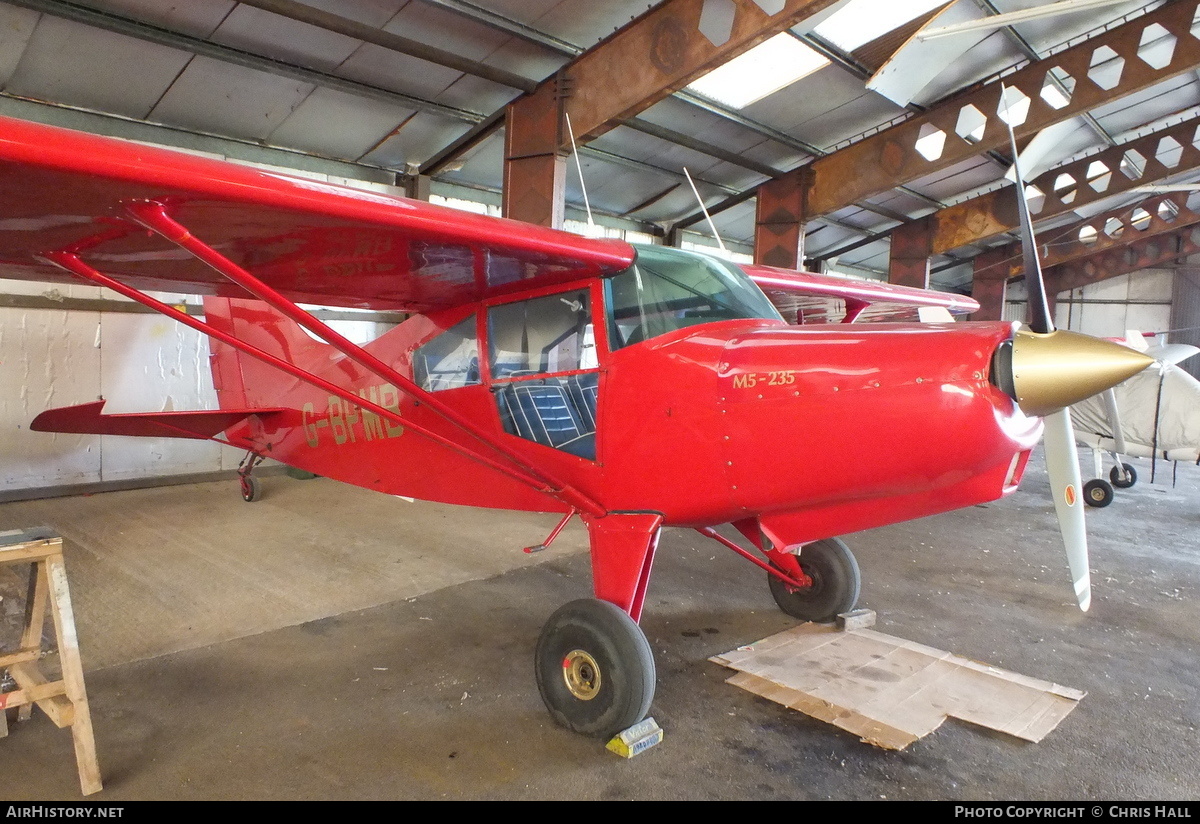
836, 583
594, 668
1098, 492
1123, 483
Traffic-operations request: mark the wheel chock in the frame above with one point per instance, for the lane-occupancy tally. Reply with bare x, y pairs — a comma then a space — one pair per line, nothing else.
640, 737
856, 619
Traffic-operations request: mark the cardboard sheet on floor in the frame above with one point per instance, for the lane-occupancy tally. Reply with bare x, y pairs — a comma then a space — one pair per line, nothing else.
890, 691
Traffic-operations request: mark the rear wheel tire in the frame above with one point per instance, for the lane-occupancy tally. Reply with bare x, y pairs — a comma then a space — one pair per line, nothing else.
1128, 481
251, 489
836, 583
594, 668
1098, 492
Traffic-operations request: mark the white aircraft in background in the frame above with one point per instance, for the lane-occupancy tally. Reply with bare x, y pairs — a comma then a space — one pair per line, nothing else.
1155, 414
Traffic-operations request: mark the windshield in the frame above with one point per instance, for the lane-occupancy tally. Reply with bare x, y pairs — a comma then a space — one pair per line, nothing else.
668, 289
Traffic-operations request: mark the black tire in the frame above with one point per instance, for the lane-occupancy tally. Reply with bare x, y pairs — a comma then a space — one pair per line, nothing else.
594, 668
1115, 476
1098, 492
835, 587
251, 489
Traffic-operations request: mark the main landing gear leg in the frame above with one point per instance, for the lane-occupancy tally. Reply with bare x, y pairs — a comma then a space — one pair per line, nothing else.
594, 667
251, 488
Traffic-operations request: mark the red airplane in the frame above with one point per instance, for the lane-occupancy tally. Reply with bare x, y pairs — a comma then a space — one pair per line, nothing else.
637, 388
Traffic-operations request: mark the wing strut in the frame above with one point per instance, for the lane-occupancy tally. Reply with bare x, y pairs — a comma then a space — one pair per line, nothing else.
153, 216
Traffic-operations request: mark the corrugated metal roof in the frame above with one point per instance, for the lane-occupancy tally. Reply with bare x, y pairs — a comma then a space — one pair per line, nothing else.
238, 71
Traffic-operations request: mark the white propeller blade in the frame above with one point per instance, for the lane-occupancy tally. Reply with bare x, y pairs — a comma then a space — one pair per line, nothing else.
1062, 465
1172, 353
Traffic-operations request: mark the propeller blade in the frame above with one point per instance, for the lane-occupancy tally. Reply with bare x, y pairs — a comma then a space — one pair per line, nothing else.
1172, 353
1062, 460
1062, 465
1039, 306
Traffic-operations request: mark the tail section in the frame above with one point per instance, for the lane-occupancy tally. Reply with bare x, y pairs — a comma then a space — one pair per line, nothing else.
243, 381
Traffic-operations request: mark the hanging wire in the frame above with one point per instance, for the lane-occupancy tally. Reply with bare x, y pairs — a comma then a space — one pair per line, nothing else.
704, 209
579, 168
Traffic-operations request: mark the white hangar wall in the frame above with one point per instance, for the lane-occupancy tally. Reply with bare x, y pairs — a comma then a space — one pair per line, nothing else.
138, 362
1140, 301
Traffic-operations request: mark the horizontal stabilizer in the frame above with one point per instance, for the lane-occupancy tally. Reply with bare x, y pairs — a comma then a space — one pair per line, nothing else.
86, 419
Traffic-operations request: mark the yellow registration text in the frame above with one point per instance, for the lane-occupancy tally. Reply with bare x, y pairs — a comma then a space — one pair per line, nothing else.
757, 380
344, 422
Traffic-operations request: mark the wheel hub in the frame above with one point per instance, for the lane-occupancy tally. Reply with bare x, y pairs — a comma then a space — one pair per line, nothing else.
581, 674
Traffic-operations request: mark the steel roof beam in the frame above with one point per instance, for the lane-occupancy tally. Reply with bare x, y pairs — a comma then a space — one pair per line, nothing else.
878, 163
1032, 53
565, 49
486, 127
1113, 230
661, 51
658, 53
1144, 253
1152, 157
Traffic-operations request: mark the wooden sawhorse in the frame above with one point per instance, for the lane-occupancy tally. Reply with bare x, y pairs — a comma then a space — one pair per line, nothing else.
64, 700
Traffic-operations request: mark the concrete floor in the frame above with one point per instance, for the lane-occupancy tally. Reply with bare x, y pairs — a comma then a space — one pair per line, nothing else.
330, 643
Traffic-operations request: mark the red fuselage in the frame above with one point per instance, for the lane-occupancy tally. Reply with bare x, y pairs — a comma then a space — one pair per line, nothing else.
816, 431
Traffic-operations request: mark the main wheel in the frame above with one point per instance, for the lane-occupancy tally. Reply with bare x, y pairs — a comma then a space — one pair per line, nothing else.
251, 489
835, 583
1130, 480
594, 668
1098, 492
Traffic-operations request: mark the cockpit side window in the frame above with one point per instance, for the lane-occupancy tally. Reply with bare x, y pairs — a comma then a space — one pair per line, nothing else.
449, 360
544, 370
547, 334
667, 289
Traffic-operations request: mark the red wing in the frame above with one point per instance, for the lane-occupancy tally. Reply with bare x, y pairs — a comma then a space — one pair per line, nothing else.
86, 419
313, 241
806, 297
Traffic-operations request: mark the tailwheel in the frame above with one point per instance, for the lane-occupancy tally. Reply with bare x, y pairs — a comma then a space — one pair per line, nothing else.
1125, 482
835, 583
594, 668
1098, 492
251, 489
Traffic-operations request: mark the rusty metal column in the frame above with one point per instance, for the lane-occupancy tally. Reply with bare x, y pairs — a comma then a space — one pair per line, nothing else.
535, 173
908, 264
779, 220
990, 284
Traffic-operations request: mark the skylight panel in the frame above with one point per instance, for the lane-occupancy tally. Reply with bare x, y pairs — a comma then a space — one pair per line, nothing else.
861, 21
765, 69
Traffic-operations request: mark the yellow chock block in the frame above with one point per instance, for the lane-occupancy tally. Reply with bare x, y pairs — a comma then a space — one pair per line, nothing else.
640, 737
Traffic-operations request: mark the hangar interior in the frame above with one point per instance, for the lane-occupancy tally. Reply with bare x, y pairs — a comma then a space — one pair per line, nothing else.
876, 149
